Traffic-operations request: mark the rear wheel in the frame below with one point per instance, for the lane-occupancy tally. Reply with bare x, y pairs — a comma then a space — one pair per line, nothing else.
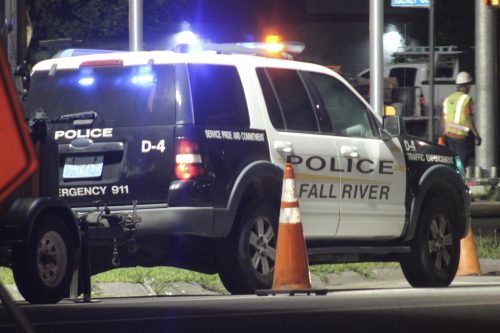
435, 248
246, 257
43, 268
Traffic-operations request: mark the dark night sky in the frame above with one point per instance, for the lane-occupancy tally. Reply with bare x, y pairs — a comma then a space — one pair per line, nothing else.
246, 12
454, 19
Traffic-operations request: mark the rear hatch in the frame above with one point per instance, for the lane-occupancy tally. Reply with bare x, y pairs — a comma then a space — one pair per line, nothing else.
115, 129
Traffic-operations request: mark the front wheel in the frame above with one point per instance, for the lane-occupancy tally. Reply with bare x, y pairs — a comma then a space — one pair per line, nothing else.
43, 268
246, 257
435, 248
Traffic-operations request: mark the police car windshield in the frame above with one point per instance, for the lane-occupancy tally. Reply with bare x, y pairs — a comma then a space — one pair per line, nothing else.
122, 96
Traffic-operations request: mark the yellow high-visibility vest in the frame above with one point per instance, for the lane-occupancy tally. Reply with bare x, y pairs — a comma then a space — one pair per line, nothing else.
453, 109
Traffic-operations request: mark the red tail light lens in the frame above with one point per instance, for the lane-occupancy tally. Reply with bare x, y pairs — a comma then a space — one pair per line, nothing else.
185, 171
188, 160
187, 147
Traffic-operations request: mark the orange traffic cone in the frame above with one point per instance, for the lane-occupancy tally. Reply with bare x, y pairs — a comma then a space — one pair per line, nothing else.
441, 140
291, 269
469, 264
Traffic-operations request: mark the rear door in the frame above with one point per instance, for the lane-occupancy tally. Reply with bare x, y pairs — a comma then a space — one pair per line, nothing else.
297, 134
126, 152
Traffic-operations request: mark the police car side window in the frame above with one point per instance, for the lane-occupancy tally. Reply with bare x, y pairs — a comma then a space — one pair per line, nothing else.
293, 99
348, 114
273, 107
218, 96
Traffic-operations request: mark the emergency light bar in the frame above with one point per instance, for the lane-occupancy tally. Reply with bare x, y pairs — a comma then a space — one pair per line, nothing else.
260, 49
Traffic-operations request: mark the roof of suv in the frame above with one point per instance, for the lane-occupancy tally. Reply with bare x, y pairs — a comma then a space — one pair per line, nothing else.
166, 57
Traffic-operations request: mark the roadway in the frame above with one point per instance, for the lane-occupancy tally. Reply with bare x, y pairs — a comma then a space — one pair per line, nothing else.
459, 308
470, 304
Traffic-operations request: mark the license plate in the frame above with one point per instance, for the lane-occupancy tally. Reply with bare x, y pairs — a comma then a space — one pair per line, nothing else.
83, 167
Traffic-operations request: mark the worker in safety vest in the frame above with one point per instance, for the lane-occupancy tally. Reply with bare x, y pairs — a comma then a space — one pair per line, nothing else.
457, 120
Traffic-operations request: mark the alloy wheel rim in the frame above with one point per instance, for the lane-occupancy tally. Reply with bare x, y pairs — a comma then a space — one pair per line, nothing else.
440, 242
263, 245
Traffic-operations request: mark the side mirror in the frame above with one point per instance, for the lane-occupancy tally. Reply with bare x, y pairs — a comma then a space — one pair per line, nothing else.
393, 126
25, 75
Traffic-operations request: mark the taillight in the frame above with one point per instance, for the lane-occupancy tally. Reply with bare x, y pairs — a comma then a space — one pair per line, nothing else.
187, 171
188, 160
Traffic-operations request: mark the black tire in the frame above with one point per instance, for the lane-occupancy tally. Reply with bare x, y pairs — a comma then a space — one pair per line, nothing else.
246, 257
43, 268
435, 248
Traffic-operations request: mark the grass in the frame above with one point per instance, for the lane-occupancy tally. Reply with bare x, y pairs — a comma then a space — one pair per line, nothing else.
486, 247
487, 195
160, 278
364, 268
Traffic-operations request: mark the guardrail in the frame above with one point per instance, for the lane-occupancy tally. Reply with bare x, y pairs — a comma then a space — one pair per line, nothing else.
480, 176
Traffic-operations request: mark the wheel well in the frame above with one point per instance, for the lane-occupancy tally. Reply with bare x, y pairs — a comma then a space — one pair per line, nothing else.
67, 217
266, 187
447, 189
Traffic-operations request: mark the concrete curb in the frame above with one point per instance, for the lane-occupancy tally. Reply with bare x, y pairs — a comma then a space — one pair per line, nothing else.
378, 279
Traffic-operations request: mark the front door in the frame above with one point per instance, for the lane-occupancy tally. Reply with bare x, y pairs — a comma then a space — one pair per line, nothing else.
373, 177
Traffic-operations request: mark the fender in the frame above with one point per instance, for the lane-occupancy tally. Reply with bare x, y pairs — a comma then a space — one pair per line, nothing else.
23, 213
224, 218
429, 178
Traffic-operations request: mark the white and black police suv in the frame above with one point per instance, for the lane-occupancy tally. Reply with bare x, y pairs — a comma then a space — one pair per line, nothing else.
177, 159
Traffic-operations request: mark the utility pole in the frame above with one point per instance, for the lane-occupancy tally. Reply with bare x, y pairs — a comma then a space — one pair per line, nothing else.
377, 56
486, 88
431, 69
135, 25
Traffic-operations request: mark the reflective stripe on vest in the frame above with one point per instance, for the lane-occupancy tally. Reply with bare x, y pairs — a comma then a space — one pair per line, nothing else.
456, 122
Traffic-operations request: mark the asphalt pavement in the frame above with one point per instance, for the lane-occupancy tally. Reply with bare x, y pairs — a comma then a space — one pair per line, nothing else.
455, 309
373, 279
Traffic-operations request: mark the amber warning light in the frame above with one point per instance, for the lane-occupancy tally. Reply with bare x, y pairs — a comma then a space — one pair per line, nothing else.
492, 3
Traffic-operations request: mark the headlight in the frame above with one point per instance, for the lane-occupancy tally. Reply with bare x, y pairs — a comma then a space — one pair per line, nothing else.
460, 167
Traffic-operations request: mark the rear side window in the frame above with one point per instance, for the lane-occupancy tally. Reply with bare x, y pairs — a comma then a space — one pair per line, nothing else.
218, 96
122, 96
290, 95
273, 107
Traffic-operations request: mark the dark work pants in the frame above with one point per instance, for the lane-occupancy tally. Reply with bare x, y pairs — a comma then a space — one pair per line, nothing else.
460, 147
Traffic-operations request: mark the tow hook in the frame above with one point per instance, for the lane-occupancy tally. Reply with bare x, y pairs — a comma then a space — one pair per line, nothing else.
130, 228
129, 222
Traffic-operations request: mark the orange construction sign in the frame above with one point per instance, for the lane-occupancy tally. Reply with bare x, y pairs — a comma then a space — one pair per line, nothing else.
17, 156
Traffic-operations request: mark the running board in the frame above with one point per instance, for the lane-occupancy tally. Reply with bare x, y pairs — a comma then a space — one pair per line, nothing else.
349, 254
357, 249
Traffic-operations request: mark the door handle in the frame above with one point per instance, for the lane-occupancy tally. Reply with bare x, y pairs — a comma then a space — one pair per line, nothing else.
281, 146
349, 151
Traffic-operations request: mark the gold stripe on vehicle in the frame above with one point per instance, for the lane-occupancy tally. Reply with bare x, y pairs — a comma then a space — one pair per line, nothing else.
302, 176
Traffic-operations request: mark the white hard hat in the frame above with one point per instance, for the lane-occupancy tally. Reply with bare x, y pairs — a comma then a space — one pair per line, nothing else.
463, 78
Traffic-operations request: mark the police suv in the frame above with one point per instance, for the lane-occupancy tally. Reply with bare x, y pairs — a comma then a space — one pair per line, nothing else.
177, 159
